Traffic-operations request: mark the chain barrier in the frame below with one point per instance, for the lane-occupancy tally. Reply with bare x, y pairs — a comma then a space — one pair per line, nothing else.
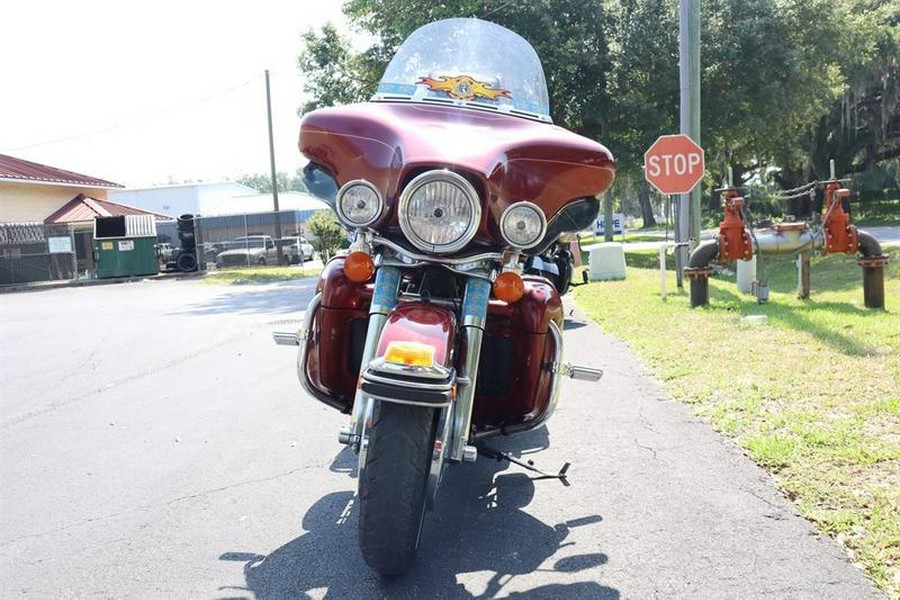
796, 192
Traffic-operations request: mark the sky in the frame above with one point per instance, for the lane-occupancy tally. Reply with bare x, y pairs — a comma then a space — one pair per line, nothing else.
143, 93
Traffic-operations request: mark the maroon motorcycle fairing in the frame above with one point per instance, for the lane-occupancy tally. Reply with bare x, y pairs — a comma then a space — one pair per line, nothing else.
513, 386
508, 158
424, 323
334, 351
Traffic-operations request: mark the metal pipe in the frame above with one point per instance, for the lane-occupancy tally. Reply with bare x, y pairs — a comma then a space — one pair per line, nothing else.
869, 247
303, 338
873, 285
803, 276
557, 370
698, 271
787, 241
699, 290
872, 263
556, 375
704, 254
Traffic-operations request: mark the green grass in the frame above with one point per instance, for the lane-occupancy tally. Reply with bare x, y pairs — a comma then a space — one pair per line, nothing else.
629, 237
882, 212
813, 396
259, 275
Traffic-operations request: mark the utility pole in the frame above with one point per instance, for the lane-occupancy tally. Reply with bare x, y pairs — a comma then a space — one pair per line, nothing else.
278, 249
689, 71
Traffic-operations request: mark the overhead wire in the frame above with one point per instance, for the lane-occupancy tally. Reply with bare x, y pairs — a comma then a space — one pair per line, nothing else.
497, 9
139, 119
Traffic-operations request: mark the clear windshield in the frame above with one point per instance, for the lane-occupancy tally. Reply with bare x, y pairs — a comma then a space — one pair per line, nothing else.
468, 62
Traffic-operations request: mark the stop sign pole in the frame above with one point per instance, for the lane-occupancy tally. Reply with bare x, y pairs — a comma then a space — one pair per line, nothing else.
689, 96
674, 165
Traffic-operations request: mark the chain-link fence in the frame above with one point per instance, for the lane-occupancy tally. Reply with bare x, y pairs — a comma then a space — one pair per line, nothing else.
249, 240
32, 252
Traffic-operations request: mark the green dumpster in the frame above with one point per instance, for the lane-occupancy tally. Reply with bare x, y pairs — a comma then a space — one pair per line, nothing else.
125, 246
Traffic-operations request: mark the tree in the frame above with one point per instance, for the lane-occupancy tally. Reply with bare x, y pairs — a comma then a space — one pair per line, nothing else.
328, 235
643, 87
334, 73
784, 83
862, 127
263, 183
567, 34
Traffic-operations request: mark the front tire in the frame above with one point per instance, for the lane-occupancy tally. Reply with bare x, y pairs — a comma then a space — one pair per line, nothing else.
392, 485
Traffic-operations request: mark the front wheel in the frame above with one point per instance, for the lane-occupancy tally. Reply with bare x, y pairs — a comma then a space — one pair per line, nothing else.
393, 483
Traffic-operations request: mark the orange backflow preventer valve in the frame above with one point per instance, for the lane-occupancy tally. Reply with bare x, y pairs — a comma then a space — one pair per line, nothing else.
734, 240
840, 235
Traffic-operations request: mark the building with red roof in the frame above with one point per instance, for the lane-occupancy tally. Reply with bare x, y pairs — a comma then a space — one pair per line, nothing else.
30, 191
84, 209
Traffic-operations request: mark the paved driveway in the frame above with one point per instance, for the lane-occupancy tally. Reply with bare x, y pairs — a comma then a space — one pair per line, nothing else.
154, 443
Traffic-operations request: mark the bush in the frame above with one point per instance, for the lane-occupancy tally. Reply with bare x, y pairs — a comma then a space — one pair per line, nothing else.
328, 235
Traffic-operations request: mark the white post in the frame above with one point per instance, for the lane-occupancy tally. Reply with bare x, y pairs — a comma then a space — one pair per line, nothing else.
746, 274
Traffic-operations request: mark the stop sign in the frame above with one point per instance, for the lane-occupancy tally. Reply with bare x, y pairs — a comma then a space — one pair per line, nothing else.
674, 164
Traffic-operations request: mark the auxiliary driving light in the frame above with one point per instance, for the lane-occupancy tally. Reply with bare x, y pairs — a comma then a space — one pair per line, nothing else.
359, 203
523, 225
359, 267
413, 354
509, 287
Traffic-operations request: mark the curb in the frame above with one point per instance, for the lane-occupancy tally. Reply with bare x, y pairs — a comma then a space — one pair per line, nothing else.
71, 283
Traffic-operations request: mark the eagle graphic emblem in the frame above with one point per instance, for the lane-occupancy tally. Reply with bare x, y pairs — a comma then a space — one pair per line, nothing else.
463, 87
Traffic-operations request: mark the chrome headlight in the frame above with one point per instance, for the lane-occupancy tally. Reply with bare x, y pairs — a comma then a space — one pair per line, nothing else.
359, 203
523, 225
439, 212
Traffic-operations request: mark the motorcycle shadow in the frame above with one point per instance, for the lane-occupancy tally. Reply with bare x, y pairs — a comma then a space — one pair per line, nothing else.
478, 543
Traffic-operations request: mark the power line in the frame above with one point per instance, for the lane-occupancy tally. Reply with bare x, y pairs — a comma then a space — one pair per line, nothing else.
496, 9
140, 119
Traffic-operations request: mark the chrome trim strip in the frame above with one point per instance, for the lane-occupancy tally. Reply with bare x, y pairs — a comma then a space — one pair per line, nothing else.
408, 402
382, 367
441, 260
487, 274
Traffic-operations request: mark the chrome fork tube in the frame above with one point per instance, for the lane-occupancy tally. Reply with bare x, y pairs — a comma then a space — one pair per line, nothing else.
474, 314
384, 299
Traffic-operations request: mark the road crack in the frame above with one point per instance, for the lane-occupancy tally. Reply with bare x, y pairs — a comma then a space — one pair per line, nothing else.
174, 362
149, 507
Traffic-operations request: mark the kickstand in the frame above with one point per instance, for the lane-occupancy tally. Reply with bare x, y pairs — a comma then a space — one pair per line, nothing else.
500, 456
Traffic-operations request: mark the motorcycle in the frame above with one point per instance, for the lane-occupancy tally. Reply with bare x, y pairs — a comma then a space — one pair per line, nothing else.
440, 327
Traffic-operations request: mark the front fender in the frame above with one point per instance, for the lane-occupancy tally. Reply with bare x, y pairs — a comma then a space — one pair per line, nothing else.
385, 378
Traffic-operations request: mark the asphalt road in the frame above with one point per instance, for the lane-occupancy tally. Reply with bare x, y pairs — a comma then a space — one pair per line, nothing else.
154, 443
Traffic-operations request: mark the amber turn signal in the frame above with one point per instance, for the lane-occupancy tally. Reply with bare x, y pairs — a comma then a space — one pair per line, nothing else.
414, 354
359, 267
509, 287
